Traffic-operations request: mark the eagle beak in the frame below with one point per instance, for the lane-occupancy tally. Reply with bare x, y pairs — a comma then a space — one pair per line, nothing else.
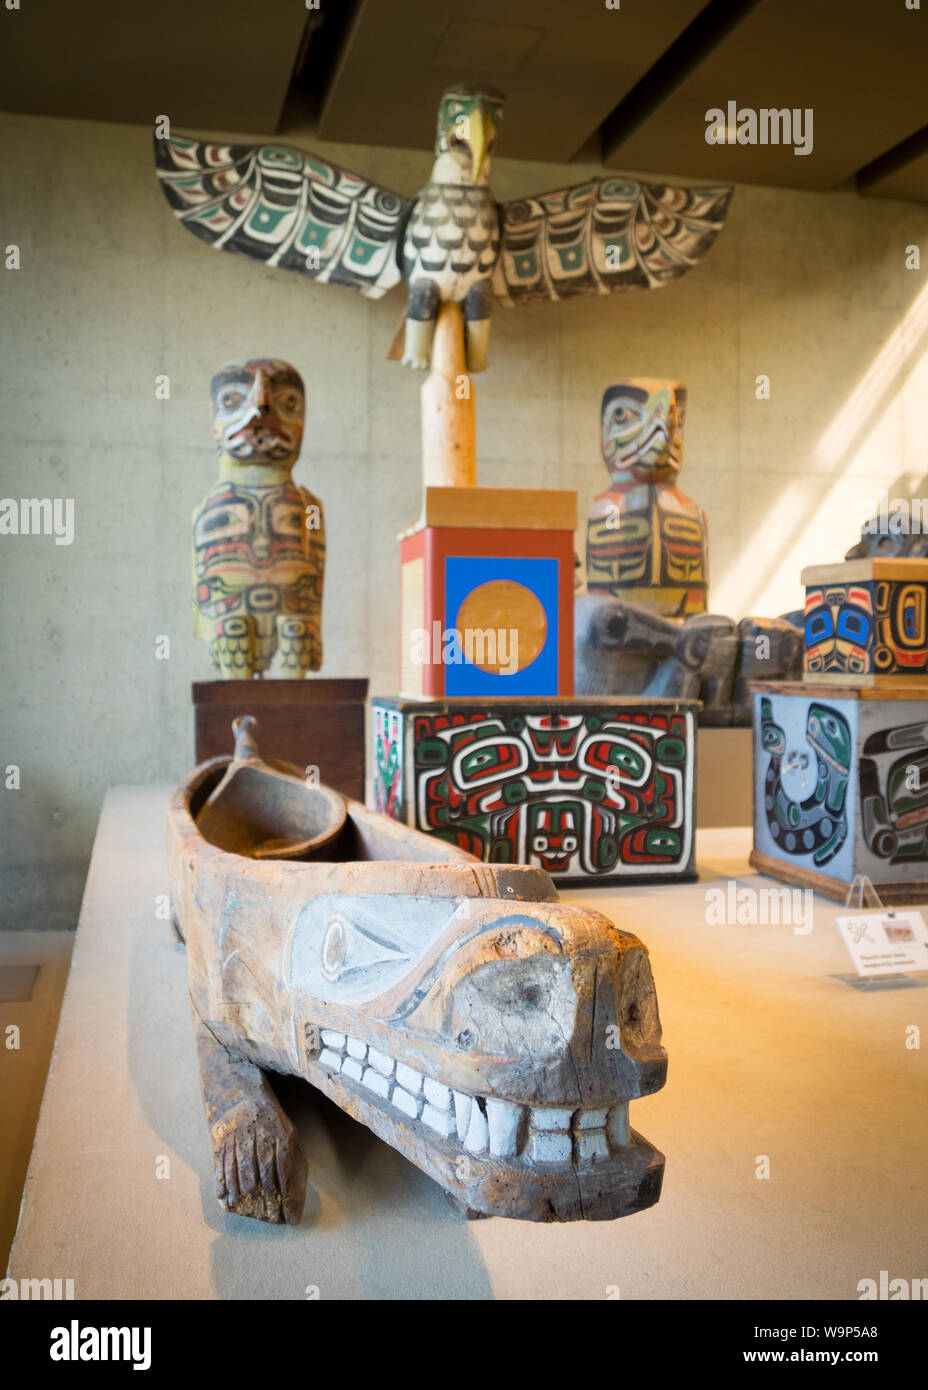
481, 133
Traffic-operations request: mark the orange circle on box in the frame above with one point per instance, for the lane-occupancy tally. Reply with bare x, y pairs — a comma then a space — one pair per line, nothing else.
503, 626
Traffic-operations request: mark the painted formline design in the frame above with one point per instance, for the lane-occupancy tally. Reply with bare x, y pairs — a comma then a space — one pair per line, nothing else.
482, 1124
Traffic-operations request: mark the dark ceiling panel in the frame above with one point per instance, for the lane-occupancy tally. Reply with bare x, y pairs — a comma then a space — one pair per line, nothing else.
215, 66
859, 64
910, 182
563, 66
901, 173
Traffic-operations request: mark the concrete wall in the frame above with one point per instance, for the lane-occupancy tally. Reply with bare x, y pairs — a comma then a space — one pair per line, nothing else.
809, 289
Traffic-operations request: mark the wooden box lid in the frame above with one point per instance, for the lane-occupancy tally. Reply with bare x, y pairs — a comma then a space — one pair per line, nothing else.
499, 508
859, 571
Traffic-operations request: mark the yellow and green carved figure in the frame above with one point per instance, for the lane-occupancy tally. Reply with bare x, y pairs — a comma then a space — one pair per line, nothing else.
258, 538
647, 542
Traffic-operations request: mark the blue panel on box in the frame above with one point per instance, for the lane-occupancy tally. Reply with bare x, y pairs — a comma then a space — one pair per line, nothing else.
464, 574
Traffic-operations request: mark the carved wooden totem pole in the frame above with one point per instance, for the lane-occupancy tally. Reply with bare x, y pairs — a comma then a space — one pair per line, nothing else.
457, 250
647, 542
258, 537
451, 242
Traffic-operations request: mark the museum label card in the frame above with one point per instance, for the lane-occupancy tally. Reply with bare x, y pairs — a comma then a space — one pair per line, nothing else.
884, 943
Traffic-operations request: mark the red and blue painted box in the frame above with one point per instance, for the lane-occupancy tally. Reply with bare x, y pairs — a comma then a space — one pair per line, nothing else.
487, 594
866, 623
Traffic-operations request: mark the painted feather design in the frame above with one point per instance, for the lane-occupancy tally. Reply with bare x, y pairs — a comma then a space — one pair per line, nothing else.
288, 209
606, 235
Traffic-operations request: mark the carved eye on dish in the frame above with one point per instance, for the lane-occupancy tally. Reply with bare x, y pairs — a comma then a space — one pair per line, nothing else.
334, 948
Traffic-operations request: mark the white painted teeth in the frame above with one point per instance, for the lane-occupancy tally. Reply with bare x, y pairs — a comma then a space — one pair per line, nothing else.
549, 1146
410, 1080
436, 1094
503, 1123
551, 1119
477, 1139
462, 1104
617, 1125
482, 1124
380, 1062
438, 1120
405, 1102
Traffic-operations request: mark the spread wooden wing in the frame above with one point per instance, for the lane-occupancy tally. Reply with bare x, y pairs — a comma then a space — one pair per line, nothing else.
610, 234
286, 208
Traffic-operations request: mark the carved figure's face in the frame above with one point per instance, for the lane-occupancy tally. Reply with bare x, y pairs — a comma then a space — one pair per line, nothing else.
554, 829
621, 627
502, 1041
642, 429
258, 411
468, 125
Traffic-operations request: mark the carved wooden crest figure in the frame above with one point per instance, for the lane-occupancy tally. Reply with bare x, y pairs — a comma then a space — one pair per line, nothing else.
647, 542
258, 538
492, 1034
626, 649
452, 242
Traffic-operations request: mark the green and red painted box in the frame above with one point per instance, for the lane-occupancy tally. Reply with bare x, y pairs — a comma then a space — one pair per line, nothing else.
587, 788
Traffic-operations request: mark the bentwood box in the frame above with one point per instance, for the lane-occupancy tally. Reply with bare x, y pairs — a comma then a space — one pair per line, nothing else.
866, 622
841, 787
587, 787
487, 593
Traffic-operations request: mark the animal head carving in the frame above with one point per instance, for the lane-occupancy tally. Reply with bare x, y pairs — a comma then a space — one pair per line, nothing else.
497, 1044
469, 120
642, 429
492, 1034
258, 412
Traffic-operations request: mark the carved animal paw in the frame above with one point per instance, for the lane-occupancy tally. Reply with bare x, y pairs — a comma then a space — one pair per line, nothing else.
418, 364
259, 1166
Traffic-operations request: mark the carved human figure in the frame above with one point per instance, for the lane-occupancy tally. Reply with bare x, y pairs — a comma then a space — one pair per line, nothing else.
258, 537
647, 542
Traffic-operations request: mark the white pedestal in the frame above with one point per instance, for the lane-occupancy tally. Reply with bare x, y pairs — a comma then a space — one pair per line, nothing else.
768, 1056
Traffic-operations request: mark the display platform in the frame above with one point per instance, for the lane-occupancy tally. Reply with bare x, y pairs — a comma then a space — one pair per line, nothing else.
769, 1059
